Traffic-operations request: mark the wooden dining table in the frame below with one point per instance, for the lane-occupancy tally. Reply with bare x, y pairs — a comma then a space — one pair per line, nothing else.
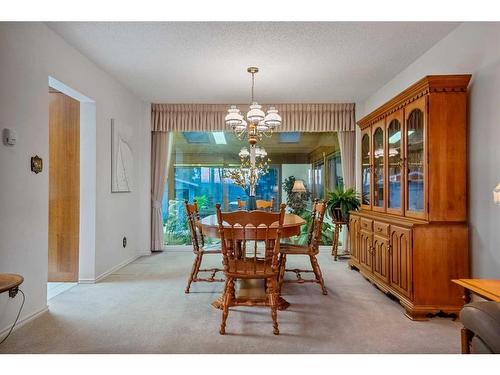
250, 291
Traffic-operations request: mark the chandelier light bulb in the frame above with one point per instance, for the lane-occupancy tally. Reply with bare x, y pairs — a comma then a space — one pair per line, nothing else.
256, 114
272, 119
262, 127
233, 117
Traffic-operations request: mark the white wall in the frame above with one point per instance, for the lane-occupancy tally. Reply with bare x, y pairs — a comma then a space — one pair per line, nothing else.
471, 48
29, 53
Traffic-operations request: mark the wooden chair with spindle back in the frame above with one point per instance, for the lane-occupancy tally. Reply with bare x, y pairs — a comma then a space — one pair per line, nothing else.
311, 249
250, 262
241, 204
199, 247
265, 205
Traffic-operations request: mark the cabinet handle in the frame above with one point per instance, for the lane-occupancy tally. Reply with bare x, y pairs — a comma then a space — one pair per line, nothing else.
389, 249
379, 229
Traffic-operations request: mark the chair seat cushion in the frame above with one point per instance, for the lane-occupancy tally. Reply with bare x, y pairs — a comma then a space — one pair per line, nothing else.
286, 248
483, 318
250, 269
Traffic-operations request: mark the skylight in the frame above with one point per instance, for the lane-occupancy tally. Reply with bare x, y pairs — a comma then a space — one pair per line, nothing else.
219, 138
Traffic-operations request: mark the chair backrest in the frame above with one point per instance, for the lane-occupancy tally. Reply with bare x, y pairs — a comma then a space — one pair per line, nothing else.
265, 205
193, 216
239, 227
241, 204
316, 228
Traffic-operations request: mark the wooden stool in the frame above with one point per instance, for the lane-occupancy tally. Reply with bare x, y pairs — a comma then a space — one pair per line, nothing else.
336, 235
10, 282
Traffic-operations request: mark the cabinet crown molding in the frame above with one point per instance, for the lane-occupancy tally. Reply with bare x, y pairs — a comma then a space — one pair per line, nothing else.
428, 84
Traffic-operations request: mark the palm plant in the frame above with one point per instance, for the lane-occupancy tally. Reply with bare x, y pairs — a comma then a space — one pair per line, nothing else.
341, 201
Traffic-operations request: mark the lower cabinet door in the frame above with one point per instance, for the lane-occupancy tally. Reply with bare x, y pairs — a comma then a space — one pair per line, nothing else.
381, 257
400, 260
354, 237
365, 249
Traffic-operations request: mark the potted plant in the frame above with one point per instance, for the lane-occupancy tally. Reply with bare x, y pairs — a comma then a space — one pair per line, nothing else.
341, 201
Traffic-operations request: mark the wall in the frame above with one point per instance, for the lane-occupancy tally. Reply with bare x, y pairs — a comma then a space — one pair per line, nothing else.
470, 48
29, 54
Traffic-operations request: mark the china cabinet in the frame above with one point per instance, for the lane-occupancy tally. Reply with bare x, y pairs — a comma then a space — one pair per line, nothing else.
410, 237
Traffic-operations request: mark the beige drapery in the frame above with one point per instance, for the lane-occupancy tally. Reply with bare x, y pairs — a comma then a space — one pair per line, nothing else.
296, 117
347, 143
161, 151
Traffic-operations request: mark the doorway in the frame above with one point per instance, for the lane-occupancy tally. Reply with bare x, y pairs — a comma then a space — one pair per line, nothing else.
64, 189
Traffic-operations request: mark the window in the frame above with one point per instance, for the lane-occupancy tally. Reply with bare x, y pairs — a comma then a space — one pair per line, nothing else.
200, 159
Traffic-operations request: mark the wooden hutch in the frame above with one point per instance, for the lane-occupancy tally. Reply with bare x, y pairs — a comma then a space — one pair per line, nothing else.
410, 237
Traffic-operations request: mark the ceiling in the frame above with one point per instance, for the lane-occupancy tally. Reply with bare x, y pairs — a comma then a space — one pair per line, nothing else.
307, 143
205, 62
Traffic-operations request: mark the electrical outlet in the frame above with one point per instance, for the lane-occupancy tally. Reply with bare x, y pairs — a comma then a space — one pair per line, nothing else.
124, 242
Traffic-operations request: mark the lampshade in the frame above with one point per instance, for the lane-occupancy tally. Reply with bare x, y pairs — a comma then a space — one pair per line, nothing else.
244, 153
298, 187
262, 127
233, 117
242, 126
256, 114
272, 118
496, 194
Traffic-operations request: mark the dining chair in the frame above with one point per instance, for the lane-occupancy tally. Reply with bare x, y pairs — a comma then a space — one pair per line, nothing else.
265, 205
237, 229
311, 249
200, 248
241, 204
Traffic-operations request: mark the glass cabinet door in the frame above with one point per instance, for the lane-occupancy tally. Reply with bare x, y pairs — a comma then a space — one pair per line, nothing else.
366, 168
415, 160
394, 164
378, 167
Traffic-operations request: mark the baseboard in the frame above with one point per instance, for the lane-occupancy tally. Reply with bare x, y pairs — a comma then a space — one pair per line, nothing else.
113, 269
23, 321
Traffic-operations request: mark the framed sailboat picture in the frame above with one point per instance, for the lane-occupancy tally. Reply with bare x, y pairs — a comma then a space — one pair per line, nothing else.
122, 158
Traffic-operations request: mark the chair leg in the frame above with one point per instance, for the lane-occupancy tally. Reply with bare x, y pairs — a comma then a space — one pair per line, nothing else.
281, 274
317, 273
273, 300
194, 271
228, 293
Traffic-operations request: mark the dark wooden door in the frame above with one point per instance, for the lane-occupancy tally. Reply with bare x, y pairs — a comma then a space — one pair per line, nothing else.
381, 257
400, 260
64, 187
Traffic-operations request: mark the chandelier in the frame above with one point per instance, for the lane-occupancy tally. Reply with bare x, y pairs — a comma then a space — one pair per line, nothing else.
247, 175
261, 163
257, 123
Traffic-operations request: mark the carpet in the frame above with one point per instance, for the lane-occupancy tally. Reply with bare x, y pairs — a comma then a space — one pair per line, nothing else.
142, 308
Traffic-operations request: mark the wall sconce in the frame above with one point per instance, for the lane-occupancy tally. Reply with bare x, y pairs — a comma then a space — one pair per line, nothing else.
298, 187
496, 194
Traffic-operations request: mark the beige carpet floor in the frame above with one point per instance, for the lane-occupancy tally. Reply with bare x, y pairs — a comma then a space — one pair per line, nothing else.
142, 308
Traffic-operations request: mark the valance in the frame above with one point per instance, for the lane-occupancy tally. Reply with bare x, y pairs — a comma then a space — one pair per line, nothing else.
300, 117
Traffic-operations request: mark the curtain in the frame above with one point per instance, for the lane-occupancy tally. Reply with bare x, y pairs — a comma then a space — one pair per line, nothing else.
347, 143
296, 117
161, 147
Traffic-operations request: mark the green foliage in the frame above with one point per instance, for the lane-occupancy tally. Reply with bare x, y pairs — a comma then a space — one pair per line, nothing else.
296, 201
326, 232
342, 201
176, 226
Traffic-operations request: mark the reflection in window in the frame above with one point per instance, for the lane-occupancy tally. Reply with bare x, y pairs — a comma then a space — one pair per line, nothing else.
365, 168
378, 167
415, 152
394, 165
199, 160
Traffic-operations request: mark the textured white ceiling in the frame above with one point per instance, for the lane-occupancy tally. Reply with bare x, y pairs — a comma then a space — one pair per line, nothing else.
205, 62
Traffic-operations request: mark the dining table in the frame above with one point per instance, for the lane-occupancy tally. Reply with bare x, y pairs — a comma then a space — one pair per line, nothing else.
253, 291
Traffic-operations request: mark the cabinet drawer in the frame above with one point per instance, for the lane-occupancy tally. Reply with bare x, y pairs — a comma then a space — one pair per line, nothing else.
366, 224
381, 228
